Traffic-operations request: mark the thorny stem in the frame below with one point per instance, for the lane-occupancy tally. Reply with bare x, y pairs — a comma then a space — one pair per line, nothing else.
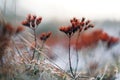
77, 56
70, 65
35, 40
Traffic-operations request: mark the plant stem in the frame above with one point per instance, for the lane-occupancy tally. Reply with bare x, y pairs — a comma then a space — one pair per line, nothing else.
41, 49
77, 56
35, 40
70, 65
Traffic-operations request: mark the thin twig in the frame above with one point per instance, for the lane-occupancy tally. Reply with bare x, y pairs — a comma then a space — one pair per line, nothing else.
104, 72
35, 40
70, 65
77, 56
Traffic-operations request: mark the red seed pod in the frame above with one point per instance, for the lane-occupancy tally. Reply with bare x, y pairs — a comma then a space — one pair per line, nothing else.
82, 24
38, 21
74, 19
34, 16
83, 19
48, 34
87, 22
86, 28
39, 18
19, 29
45, 36
24, 22
42, 36
90, 25
62, 28
75, 28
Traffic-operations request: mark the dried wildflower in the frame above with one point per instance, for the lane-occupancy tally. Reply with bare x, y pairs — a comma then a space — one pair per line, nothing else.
87, 22
67, 30
45, 36
76, 25
25, 23
38, 21
83, 19
79, 25
32, 21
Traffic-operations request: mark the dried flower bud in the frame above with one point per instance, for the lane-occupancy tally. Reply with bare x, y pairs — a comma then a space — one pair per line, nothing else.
32, 21
34, 16
63, 29
67, 30
76, 24
26, 23
48, 34
83, 19
87, 22
45, 36
19, 29
38, 21
82, 24
91, 25
85, 28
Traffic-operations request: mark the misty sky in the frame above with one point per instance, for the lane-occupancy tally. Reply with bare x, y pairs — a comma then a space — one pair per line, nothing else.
95, 9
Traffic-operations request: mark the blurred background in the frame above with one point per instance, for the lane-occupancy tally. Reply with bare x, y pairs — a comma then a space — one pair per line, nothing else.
104, 14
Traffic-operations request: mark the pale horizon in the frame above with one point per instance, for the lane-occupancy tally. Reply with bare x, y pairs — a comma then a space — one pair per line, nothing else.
60, 9
68, 8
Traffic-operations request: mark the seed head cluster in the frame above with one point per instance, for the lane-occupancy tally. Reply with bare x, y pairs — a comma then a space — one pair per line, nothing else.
45, 36
32, 21
76, 25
